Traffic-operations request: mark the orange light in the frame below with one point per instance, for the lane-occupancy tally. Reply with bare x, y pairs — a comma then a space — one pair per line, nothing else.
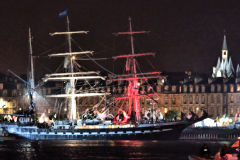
165, 110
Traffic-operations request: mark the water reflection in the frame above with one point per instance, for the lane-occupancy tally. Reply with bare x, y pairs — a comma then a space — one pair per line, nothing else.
128, 143
122, 149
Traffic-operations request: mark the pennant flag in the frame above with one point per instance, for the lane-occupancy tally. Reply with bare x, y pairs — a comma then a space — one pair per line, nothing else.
63, 13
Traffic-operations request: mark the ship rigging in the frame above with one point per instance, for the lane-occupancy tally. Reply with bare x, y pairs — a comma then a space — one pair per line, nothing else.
71, 76
132, 93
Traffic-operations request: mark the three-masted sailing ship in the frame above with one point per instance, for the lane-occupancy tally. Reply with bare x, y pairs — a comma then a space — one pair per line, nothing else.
117, 128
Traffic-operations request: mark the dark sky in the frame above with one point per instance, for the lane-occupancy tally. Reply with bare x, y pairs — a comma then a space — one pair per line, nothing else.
186, 34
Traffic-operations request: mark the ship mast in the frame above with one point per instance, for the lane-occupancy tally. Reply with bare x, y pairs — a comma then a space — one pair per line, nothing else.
72, 81
31, 78
31, 59
132, 77
72, 76
30, 83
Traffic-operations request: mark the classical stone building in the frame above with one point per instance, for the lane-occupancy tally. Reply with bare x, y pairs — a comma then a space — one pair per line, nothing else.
218, 96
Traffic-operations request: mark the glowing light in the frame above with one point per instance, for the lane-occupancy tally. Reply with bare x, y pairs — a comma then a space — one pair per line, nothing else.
165, 110
43, 118
73, 57
2, 103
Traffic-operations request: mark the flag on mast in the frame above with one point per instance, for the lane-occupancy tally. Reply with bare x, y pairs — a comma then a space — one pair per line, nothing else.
63, 13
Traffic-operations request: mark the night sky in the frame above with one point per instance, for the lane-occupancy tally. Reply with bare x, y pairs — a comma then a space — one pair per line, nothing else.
186, 35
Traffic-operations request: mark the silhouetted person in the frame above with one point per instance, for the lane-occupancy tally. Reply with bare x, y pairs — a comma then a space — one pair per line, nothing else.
224, 150
205, 114
204, 152
183, 116
194, 116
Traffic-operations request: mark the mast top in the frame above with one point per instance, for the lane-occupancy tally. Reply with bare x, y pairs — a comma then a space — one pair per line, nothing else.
130, 30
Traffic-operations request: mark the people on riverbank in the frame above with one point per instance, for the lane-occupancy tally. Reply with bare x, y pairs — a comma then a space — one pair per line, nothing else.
224, 150
204, 151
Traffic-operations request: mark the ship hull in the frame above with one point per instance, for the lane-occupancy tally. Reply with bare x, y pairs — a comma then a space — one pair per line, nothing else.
163, 131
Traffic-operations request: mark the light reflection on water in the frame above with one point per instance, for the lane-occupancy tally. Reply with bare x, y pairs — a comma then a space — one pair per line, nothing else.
121, 149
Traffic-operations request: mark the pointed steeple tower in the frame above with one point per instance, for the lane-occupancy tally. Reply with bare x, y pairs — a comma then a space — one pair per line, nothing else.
224, 48
229, 69
218, 64
238, 71
231, 65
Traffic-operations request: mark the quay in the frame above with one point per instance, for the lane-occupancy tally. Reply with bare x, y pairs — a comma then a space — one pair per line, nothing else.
209, 133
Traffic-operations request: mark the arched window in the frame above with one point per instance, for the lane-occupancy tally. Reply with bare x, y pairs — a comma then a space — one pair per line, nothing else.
218, 99
191, 88
231, 99
166, 99
212, 99
184, 99
203, 99
173, 100
190, 99
196, 99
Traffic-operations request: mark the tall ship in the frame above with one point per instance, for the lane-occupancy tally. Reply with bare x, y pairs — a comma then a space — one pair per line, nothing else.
126, 124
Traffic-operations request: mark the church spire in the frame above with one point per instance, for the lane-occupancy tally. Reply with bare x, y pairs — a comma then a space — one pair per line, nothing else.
224, 48
238, 71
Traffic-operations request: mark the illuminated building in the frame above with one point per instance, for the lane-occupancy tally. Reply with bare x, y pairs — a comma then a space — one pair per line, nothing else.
224, 66
218, 94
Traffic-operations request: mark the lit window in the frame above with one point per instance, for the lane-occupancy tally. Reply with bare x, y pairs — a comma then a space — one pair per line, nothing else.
231, 99
185, 88
165, 110
203, 88
191, 88
238, 87
166, 100
166, 88
180, 89
173, 100
184, 99
173, 88
231, 88
191, 99
197, 88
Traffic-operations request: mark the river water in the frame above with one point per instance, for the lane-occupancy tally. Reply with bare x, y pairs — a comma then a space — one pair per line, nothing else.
121, 149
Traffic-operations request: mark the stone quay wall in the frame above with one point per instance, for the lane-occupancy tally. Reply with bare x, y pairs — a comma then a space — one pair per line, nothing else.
211, 134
